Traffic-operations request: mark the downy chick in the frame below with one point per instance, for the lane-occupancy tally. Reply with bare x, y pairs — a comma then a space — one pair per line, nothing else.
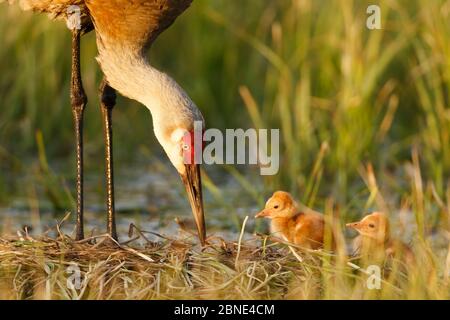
305, 229
375, 240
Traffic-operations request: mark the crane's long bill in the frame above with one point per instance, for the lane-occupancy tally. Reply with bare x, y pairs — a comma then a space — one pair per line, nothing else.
193, 182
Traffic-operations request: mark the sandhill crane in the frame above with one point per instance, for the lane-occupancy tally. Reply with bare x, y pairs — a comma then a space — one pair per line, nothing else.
125, 29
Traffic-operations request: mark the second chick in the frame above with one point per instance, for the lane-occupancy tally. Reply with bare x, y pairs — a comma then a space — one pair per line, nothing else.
375, 239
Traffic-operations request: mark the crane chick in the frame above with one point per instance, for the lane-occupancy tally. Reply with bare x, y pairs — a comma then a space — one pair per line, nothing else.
305, 229
375, 239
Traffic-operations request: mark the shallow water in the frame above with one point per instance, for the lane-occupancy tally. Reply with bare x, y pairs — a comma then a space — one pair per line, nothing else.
149, 196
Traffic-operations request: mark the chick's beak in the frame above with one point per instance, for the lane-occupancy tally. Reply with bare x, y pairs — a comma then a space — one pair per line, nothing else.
353, 225
262, 214
193, 183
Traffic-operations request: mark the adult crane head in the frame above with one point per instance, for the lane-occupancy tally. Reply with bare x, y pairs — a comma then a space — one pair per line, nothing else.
178, 125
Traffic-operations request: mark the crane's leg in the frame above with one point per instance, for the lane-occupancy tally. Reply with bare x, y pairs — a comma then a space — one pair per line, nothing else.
107, 102
78, 101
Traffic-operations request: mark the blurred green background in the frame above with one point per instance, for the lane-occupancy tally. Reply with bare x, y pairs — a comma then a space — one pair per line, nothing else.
349, 101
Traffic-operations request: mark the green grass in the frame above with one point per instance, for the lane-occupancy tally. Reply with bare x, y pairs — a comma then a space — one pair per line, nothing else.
364, 115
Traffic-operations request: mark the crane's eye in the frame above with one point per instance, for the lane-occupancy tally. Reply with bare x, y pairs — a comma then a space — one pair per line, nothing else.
371, 225
185, 146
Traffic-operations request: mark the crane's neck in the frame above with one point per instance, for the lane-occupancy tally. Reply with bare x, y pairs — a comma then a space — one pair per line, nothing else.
129, 72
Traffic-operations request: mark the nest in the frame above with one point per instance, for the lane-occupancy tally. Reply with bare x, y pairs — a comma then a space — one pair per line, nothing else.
99, 267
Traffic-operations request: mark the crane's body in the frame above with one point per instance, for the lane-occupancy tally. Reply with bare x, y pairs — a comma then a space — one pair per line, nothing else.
125, 29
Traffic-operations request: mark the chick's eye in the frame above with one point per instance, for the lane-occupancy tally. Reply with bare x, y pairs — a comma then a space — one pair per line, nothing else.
276, 206
371, 225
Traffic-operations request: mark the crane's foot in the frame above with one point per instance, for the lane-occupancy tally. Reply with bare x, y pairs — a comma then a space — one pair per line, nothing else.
78, 103
107, 103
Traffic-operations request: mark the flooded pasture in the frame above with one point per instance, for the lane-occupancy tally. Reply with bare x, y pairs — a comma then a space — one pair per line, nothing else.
148, 196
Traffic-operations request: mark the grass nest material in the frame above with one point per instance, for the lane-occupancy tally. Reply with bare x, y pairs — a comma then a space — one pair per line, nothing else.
98, 267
